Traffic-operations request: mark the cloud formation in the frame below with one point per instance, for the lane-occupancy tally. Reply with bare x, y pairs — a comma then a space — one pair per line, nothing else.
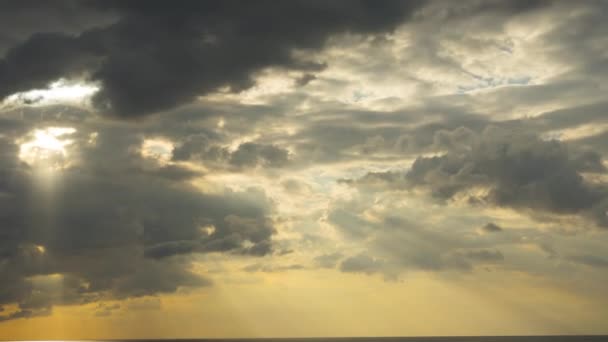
113, 224
158, 56
460, 141
519, 171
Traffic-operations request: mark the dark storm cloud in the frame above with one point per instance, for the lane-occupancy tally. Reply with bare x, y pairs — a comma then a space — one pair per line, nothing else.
21, 19
113, 224
467, 8
159, 55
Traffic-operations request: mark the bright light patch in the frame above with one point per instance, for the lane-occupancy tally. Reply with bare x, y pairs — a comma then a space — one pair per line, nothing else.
159, 149
207, 230
46, 147
60, 91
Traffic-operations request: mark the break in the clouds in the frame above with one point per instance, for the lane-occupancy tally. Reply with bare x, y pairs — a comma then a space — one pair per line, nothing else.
153, 150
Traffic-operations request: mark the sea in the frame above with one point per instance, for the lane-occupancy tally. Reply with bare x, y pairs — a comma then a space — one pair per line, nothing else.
569, 338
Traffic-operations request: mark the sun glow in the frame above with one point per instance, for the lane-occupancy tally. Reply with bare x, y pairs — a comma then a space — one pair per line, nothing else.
157, 148
46, 147
60, 91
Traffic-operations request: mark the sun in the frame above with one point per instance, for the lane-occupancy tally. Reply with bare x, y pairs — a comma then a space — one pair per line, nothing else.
46, 147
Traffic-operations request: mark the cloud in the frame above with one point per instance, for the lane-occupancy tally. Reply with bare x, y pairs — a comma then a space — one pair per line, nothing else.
361, 263
19, 20
251, 154
491, 228
375, 117
590, 260
112, 224
146, 63
149, 303
246, 155
26, 314
104, 310
259, 267
484, 255
519, 171
328, 260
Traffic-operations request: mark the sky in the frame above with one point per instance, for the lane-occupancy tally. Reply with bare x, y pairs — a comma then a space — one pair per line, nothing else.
303, 168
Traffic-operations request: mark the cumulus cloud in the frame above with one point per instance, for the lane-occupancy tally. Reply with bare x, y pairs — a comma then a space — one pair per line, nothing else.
517, 170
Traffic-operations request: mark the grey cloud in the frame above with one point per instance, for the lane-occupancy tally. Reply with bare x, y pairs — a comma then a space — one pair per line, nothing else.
166, 249
21, 19
124, 227
152, 278
520, 170
337, 134
26, 314
380, 180
597, 142
199, 146
259, 267
114, 225
400, 239
468, 8
484, 255
304, 80
491, 228
204, 52
328, 260
362, 263
246, 155
251, 154
590, 260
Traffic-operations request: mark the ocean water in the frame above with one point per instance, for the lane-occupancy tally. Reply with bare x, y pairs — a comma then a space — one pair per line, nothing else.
570, 338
